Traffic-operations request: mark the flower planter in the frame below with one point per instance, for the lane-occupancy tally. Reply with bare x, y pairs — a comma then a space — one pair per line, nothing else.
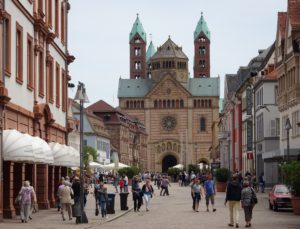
296, 205
221, 186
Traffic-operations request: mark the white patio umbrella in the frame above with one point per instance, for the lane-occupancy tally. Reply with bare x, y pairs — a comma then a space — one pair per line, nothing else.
179, 166
113, 166
93, 164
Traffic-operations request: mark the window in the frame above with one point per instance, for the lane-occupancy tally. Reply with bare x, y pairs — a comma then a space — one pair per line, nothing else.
50, 80
137, 51
276, 94
41, 74
137, 65
56, 17
181, 103
202, 124
19, 53
202, 39
202, 63
8, 45
155, 103
49, 13
62, 26
57, 82
29, 62
295, 121
259, 127
277, 126
64, 90
202, 50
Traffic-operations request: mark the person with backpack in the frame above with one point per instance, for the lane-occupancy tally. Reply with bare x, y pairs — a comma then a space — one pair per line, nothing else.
248, 200
210, 192
136, 194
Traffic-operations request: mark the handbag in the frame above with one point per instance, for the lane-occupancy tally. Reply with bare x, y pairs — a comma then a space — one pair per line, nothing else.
96, 212
18, 199
76, 211
253, 200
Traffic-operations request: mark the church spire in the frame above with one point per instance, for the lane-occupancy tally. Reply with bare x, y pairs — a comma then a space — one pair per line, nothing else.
137, 43
202, 49
201, 27
150, 51
137, 28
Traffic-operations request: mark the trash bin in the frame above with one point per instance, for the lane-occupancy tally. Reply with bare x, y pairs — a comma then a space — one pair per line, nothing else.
110, 208
123, 200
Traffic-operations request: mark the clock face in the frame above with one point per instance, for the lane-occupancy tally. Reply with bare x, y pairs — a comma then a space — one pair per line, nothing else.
168, 123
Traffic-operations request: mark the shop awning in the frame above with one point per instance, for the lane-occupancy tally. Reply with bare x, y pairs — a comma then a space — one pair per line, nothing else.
25, 148
64, 155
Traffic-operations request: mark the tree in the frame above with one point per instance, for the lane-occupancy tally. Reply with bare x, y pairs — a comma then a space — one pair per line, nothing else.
87, 152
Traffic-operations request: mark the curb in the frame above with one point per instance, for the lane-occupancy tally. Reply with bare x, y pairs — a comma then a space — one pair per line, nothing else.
110, 220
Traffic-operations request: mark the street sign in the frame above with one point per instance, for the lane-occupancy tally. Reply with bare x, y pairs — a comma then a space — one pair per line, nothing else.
249, 135
250, 155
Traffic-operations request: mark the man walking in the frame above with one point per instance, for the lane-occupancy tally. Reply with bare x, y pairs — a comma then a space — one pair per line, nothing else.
233, 197
210, 192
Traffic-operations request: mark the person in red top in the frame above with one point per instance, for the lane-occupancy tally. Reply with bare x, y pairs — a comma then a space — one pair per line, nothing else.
121, 184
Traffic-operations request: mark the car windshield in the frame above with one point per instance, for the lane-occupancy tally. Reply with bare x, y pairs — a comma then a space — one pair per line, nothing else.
281, 189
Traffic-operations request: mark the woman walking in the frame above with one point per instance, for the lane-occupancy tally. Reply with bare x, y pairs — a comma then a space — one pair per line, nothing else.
148, 191
197, 193
65, 194
26, 194
246, 197
101, 198
136, 194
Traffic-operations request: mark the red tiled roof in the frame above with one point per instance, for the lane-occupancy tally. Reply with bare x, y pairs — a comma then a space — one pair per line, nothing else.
282, 23
294, 13
101, 106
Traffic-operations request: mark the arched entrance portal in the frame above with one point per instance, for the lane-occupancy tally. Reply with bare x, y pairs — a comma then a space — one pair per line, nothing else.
203, 164
167, 162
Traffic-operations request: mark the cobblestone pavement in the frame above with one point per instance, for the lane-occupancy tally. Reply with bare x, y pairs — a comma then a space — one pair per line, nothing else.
174, 211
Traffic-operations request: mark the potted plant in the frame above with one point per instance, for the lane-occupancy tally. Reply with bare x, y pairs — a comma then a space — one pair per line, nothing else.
222, 176
291, 173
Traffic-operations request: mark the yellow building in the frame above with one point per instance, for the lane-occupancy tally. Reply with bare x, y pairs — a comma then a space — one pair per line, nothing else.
180, 113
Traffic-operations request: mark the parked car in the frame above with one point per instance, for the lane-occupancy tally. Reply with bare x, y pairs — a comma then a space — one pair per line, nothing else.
279, 197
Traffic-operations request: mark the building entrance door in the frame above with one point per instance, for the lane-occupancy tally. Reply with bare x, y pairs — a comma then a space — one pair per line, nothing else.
167, 162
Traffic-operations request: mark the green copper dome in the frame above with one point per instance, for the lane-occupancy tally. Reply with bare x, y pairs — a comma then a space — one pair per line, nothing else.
150, 51
202, 27
137, 28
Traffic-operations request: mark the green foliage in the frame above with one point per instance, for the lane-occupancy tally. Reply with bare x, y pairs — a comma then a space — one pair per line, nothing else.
291, 172
173, 171
194, 168
129, 171
222, 175
87, 152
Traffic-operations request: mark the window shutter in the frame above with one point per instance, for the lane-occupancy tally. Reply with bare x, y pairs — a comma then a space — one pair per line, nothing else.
273, 128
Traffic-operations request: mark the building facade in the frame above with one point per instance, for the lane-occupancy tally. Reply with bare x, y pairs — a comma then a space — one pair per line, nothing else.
34, 77
287, 64
128, 135
95, 133
180, 113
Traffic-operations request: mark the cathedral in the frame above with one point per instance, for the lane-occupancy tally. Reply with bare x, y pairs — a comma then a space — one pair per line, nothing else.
180, 112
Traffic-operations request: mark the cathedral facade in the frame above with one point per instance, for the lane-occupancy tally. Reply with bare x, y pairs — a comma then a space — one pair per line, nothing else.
180, 113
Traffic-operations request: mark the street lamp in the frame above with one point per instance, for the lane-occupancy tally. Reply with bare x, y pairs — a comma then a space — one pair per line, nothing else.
81, 96
288, 126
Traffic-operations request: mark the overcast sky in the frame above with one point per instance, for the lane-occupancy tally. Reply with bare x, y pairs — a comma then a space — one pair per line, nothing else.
99, 35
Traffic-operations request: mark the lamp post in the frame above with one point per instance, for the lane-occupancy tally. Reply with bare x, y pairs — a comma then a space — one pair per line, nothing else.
288, 127
81, 96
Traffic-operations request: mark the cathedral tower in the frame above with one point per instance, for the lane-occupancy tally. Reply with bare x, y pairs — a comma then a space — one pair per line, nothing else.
202, 49
137, 43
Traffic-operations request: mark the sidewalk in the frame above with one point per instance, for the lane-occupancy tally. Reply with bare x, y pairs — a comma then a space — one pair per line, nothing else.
51, 219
